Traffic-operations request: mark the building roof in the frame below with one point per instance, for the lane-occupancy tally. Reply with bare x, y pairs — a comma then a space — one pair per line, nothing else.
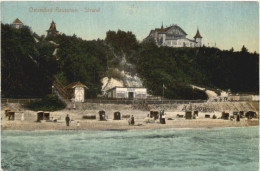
192, 40
53, 27
17, 21
75, 84
198, 34
162, 30
124, 87
165, 30
151, 32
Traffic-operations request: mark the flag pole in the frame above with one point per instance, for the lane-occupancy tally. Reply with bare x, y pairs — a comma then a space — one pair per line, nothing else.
163, 91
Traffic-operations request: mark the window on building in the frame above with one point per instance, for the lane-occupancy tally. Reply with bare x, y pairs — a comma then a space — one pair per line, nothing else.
120, 95
140, 96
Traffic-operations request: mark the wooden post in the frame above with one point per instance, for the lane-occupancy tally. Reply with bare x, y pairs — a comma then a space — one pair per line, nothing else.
163, 91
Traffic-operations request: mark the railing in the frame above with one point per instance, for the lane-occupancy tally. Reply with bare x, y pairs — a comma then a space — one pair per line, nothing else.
116, 101
60, 88
23, 101
145, 101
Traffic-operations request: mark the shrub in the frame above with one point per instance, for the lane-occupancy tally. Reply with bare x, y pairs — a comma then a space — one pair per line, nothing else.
49, 103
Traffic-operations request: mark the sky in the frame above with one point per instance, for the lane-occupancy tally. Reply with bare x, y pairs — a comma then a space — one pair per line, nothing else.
226, 23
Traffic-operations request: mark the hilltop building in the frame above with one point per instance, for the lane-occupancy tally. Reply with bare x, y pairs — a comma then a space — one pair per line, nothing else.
52, 30
173, 36
17, 24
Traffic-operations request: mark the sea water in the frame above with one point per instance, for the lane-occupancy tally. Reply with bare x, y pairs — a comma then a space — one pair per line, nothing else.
216, 149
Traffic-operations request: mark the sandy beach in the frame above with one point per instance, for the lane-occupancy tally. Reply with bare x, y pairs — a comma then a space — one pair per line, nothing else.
30, 117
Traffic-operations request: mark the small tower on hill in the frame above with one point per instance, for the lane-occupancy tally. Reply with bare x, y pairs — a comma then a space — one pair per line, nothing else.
52, 30
198, 38
162, 26
17, 24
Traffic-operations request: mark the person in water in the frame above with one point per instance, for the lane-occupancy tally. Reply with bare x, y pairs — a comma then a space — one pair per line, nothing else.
67, 120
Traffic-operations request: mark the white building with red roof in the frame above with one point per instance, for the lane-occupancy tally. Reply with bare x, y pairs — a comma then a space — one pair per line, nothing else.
76, 91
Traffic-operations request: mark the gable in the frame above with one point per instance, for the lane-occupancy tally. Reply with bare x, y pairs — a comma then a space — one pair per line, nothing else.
175, 31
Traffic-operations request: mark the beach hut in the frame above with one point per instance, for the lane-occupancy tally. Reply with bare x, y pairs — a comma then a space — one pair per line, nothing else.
117, 116
242, 114
225, 115
6, 111
11, 115
196, 113
154, 114
46, 115
40, 116
250, 114
102, 115
188, 115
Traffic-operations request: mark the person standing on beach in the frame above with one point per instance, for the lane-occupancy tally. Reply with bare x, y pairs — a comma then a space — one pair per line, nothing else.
163, 119
67, 120
160, 118
238, 117
132, 120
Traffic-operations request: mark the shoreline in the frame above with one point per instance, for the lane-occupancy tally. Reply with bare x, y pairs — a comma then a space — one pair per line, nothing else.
122, 125
28, 123
118, 130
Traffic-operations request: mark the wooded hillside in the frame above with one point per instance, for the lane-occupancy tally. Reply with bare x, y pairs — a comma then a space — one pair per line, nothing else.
29, 65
